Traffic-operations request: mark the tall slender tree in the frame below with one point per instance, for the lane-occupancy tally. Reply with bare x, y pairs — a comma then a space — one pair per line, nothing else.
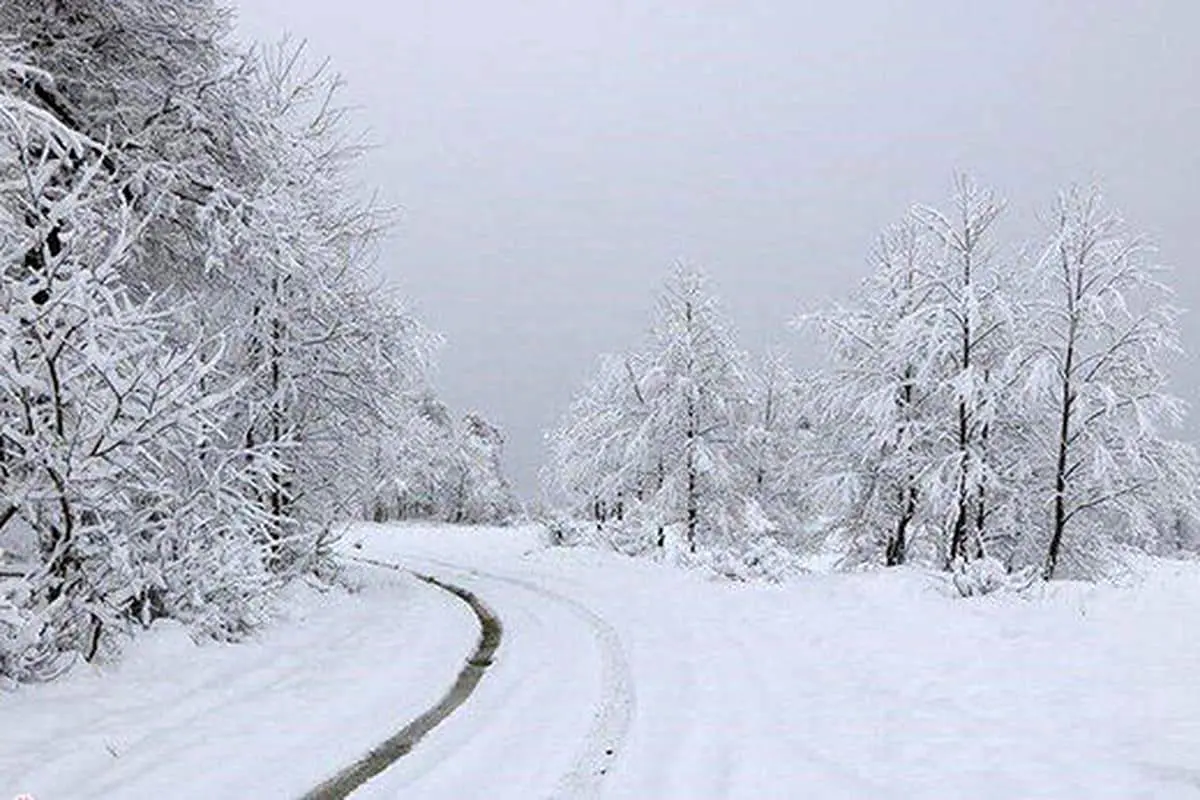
880, 409
696, 383
969, 302
1103, 334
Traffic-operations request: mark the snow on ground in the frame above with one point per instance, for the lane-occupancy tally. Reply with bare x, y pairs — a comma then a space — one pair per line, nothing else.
842, 686
268, 718
875, 685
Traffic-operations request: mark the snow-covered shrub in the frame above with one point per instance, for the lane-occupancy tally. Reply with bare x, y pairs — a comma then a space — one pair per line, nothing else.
637, 533
986, 575
763, 560
563, 530
752, 551
26, 654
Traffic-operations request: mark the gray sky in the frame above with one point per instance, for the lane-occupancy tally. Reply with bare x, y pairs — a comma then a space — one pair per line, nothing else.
553, 158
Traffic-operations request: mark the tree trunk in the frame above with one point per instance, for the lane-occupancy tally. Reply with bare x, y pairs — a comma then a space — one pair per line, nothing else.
959, 536
958, 541
981, 499
1060, 478
693, 429
1074, 286
693, 512
279, 501
897, 548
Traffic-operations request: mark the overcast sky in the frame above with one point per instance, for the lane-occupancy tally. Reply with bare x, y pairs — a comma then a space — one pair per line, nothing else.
554, 158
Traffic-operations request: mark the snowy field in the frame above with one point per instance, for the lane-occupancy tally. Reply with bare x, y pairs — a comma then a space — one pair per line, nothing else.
877, 685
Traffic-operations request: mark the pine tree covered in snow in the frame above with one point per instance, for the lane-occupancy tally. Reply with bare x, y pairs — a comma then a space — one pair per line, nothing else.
696, 385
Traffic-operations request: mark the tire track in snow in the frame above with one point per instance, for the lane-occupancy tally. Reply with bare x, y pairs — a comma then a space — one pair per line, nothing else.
600, 748
598, 752
1172, 774
400, 744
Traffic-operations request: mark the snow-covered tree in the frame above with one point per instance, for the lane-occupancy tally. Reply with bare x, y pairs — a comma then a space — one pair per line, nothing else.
160, 86
413, 465
260, 232
321, 356
996, 407
655, 451
431, 468
102, 418
597, 463
777, 439
878, 439
1102, 335
695, 385
196, 355
920, 401
969, 336
483, 494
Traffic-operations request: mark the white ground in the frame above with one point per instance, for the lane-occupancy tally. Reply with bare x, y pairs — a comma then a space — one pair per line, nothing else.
265, 719
869, 686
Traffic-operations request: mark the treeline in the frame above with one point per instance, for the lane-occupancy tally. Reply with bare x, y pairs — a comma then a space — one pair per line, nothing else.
992, 409
198, 377
432, 467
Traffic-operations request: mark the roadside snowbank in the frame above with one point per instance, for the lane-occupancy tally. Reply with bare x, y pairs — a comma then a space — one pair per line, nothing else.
267, 718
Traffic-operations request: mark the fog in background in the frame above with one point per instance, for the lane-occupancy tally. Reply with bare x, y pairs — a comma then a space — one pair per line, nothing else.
552, 160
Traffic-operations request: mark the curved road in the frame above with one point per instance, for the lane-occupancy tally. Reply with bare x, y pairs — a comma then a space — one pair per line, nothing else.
560, 671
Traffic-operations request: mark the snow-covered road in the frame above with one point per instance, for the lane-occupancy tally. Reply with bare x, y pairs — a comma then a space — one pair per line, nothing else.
549, 718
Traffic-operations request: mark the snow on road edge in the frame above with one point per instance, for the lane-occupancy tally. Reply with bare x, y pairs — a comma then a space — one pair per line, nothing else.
267, 718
